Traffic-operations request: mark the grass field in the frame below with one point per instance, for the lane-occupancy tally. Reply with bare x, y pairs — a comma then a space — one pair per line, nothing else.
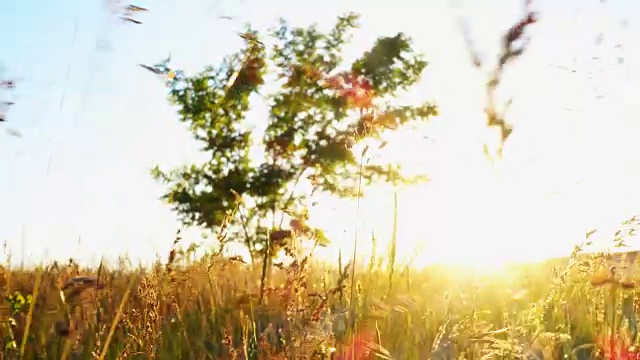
185, 306
211, 308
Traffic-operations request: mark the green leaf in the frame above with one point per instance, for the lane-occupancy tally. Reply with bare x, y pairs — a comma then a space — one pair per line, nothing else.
310, 131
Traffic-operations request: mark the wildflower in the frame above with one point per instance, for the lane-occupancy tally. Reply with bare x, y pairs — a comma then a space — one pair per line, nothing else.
357, 96
617, 348
335, 82
355, 89
360, 347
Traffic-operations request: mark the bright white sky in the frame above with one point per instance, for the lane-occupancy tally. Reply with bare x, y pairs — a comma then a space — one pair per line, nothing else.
77, 184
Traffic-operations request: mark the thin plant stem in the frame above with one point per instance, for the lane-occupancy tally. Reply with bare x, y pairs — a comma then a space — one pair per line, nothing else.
116, 320
34, 296
353, 258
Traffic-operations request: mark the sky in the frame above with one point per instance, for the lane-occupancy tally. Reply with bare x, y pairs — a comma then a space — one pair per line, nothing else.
77, 183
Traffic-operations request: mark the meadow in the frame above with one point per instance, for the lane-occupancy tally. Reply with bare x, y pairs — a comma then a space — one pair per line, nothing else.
297, 307
221, 308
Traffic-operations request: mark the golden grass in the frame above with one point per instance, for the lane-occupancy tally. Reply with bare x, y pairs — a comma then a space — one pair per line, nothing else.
210, 309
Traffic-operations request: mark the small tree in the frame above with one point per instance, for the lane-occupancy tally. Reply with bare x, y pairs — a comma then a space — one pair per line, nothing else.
317, 113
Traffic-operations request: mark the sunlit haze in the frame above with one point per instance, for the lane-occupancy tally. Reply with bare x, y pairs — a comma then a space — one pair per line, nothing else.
78, 184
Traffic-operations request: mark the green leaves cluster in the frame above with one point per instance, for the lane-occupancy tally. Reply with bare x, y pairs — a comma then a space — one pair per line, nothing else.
311, 129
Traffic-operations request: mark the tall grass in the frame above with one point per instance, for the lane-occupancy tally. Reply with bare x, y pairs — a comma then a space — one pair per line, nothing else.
209, 308
212, 307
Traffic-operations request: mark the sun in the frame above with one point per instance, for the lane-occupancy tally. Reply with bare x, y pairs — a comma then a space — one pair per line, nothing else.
473, 213
460, 217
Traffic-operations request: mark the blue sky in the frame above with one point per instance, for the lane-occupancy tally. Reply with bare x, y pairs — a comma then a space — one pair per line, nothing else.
77, 184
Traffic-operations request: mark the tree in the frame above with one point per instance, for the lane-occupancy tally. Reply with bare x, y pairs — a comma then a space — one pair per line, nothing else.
318, 112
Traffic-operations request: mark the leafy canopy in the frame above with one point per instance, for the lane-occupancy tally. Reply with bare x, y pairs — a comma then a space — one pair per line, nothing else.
318, 111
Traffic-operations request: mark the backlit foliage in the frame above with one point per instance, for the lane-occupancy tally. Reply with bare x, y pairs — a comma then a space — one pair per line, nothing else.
319, 109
